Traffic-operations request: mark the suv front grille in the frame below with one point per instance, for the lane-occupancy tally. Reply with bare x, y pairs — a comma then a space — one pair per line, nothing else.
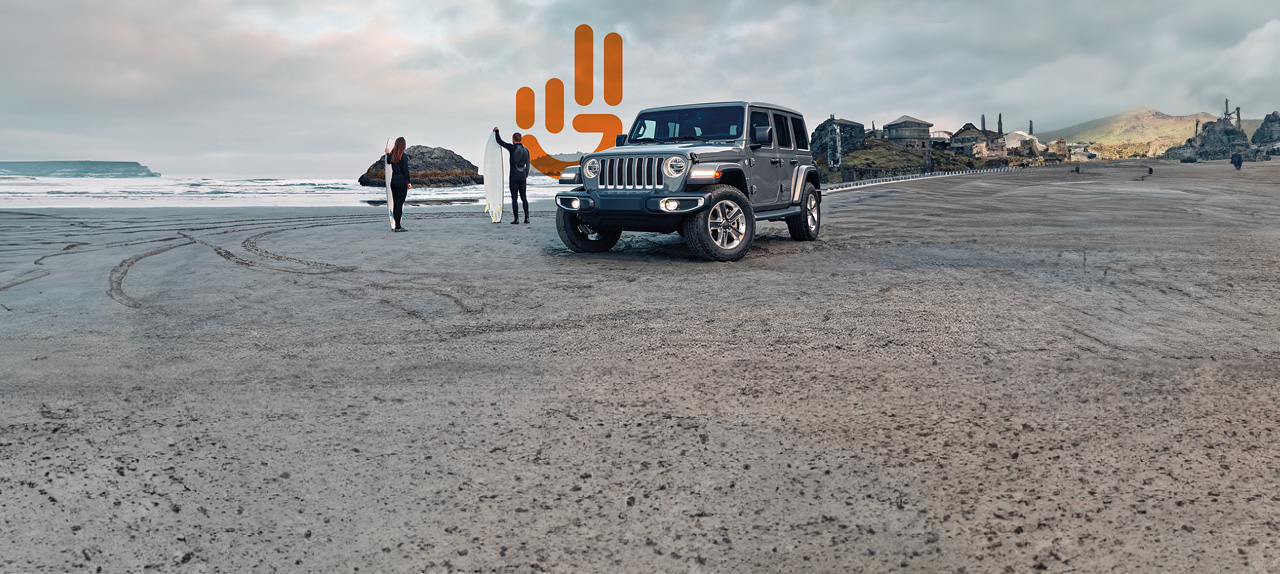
618, 173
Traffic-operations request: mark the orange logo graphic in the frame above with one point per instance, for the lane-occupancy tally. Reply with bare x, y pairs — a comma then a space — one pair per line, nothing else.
607, 125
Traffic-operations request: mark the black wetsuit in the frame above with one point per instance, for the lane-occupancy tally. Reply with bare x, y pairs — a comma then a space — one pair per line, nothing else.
399, 185
519, 176
1237, 160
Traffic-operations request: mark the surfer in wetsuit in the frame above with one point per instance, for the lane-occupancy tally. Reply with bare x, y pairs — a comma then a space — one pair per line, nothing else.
519, 173
400, 185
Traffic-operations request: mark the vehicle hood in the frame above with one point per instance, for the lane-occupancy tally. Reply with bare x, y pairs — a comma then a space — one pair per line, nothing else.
681, 148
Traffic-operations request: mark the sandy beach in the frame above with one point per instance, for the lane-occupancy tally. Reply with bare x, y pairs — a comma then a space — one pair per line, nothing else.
1036, 371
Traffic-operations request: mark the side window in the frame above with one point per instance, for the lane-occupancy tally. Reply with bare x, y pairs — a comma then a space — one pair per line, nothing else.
758, 119
802, 136
783, 129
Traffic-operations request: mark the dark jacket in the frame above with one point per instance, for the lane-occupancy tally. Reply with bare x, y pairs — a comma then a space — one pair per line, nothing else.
399, 170
519, 158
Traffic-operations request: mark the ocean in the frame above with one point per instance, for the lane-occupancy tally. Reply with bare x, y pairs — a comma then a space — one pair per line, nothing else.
30, 192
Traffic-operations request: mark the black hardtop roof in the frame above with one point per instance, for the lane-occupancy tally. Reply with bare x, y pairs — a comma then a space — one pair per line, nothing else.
738, 103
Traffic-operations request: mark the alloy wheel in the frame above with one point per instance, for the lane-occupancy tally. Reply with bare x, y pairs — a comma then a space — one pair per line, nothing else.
811, 210
727, 224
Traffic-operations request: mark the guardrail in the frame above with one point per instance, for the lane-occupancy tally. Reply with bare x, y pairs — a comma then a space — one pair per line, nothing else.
882, 180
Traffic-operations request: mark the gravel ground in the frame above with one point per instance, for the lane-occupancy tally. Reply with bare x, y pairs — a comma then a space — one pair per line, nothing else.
1038, 371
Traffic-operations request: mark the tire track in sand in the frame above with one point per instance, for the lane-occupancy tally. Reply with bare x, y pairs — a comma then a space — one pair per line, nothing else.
251, 245
116, 279
21, 281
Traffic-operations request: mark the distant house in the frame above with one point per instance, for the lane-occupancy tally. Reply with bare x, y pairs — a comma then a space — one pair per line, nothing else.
909, 132
965, 142
835, 137
940, 140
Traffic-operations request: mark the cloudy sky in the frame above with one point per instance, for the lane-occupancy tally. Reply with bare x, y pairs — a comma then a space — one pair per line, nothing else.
312, 88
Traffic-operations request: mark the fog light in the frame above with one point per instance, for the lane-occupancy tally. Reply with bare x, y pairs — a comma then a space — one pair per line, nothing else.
575, 203
670, 204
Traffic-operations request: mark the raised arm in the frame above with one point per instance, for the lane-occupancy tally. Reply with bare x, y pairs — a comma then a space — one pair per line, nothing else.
509, 147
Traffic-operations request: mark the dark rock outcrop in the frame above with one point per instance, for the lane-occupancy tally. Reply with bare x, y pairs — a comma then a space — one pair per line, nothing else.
1269, 132
823, 143
1216, 140
429, 167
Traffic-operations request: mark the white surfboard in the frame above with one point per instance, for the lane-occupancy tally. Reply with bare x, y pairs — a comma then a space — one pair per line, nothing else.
493, 179
391, 202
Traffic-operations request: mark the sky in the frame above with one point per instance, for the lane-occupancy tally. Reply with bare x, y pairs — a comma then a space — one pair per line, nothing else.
313, 88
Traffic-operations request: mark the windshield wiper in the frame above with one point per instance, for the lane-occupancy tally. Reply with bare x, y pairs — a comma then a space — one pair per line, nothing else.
685, 138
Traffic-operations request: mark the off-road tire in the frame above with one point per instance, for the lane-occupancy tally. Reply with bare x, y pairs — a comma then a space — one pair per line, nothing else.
582, 238
805, 227
724, 230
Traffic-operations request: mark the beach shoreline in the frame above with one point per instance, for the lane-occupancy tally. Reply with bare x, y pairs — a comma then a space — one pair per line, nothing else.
101, 192
1032, 370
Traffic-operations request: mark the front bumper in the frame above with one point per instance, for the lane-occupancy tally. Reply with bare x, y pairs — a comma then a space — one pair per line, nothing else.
659, 211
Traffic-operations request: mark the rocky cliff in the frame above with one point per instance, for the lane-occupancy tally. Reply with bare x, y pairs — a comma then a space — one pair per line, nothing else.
1269, 132
823, 141
429, 167
1216, 140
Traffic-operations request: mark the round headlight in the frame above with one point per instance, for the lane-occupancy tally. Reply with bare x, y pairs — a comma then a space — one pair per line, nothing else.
591, 169
674, 166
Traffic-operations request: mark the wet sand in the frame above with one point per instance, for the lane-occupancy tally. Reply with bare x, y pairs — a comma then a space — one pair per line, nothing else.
1040, 371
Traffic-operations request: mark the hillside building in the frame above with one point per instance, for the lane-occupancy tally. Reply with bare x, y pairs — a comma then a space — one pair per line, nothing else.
940, 140
973, 141
910, 133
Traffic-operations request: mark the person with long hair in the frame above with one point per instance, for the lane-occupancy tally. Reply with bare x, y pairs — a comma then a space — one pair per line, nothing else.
399, 175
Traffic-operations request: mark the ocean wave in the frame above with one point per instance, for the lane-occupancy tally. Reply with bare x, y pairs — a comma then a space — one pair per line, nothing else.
29, 191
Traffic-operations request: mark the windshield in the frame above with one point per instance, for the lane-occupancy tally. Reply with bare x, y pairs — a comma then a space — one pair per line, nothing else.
710, 123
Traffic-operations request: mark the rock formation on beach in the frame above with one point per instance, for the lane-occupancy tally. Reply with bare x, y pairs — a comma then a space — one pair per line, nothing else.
429, 167
1269, 132
1216, 140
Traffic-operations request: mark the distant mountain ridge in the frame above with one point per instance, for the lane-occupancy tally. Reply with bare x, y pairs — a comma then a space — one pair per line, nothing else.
75, 169
1139, 125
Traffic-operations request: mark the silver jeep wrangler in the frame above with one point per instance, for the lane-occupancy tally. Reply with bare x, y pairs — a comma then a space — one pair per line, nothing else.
706, 171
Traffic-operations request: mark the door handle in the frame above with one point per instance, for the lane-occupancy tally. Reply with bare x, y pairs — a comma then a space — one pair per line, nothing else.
775, 161
793, 162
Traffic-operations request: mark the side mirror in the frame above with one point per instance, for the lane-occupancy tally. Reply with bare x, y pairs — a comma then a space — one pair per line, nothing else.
761, 135
621, 140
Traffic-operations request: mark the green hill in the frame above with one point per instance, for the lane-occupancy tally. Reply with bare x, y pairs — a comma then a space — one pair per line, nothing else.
75, 169
1139, 125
